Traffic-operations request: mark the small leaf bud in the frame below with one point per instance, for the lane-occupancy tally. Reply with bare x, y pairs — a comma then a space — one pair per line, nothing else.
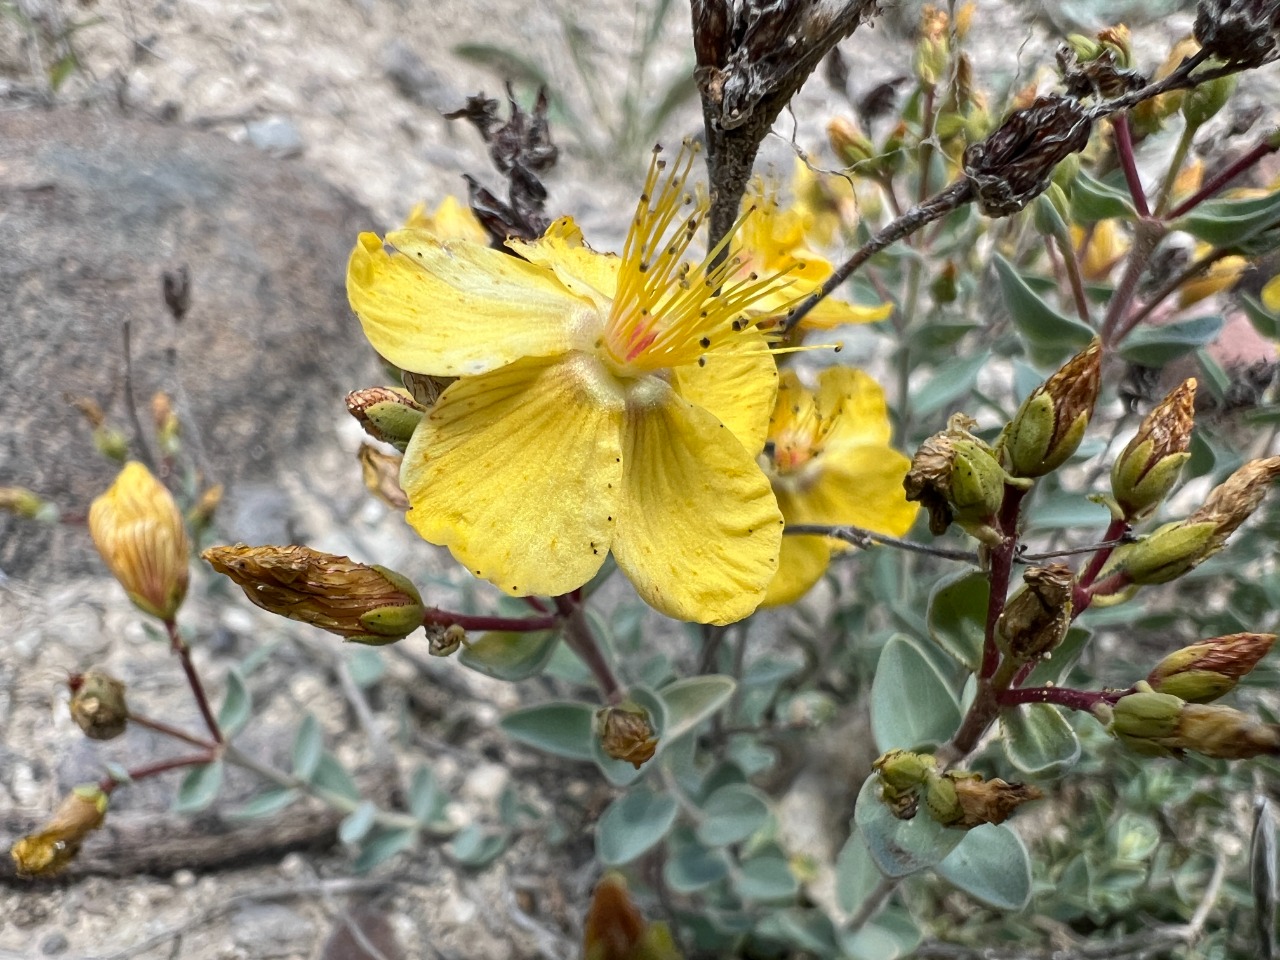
1037, 616
365, 603
51, 849
1205, 671
626, 733
445, 641
98, 705
1050, 424
386, 414
1148, 468
137, 528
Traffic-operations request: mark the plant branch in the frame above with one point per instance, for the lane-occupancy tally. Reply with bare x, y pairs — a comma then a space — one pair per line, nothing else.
1072, 699
169, 731
183, 651
1225, 176
1198, 266
582, 641
1124, 149
1108, 545
1147, 236
861, 537
444, 618
1118, 532
108, 784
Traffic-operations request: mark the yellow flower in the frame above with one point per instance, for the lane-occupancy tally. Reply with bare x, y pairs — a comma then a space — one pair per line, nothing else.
1099, 250
826, 204
451, 221
138, 530
1271, 294
773, 242
605, 404
1221, 275
830, 462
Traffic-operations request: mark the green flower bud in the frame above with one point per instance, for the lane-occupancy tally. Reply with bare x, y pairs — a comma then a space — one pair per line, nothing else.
1143, 720
1206, 99
957, 479
1049, 426
1204, 671
848, 142
1164, 555
1086, 48
1149, 466
386, 413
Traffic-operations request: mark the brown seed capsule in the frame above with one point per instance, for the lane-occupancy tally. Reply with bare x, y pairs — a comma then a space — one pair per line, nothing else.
52, 848
965, 800
626, 733
98, 704
1048, 427
1036, 618
386, 413
1238, 31
1012, 167
367, 604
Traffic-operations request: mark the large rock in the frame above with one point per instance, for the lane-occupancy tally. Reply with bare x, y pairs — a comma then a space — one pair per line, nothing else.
93, 209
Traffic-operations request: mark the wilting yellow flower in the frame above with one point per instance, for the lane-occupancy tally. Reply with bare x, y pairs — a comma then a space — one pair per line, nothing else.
830, 462
49, 851
1221, 275
825, 204
138, 530
774, 242
1099, 251
606, 404
451, 221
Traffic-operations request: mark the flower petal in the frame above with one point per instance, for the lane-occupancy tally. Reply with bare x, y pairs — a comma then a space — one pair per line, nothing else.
800, 565
854, 404
518, 473
698, 526
737, 385
861, 486
453, 308
582, 271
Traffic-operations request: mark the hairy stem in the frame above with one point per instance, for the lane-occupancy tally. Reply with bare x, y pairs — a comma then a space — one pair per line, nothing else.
1129, 163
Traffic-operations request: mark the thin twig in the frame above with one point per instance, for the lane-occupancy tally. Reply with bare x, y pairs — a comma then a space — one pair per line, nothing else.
1194, 269
193, 679
864, 538
1074, 551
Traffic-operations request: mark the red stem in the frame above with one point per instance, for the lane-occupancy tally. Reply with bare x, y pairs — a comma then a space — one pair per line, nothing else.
1001, 570
169, 731
1072, 699
1117, 529
578, 635
108, 784
445, 618
193, 679
1222, 178
1124, 149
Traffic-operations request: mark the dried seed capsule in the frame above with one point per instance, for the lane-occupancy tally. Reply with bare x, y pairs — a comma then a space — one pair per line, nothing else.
1036, 618
1050, 424
626, 733
98, 705
386, 413
1148, 468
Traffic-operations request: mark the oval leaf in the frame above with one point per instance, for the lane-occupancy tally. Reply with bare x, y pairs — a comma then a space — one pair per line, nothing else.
1092, 200
565, 729
957, 616
633, 823
991, 864
1038, 740
266, 803
383, 843
199, 787
307, 747
911, 704
689, 702
767, 877
1048, 334
358, 822
1150, 346
507, 655
1228, 223
950, 381
690, 866
731, 814
235, 706
900, 847
856, 873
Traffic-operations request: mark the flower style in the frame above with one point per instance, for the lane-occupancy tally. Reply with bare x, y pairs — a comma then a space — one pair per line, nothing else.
774, 241
830, 462
605, 404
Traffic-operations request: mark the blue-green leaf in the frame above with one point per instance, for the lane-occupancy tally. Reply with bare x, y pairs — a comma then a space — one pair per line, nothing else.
1048, 334
731, 814
266, 803
358, 822
330, 775
695, 699
911, 704
381, 844
690, 866
856, 873
307, 747
1038, 741
634, 823
199, 787
950, 381
235, 706
767, 877
991, 864
1152, 346
508, 655
1229, 223
476, 847
957, 615
564, 728
1092, 200
427, 802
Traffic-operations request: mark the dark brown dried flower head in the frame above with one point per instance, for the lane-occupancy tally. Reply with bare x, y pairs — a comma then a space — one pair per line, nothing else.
1012, 167
368, 604
98, 704
626, 733
1238, 31
1036, 618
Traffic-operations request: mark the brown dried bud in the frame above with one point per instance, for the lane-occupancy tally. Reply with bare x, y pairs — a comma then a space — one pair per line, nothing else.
1238, 31
386, 413
1234, 500
48, 851
1102, 75
445, 641
1037, 617
1012, 167
626, 733
957, 479
137, 528
98, 705
381, 474
965, 800
1048, 427
367, 604
1205, 671
1224, 733
615, 929
1148, 468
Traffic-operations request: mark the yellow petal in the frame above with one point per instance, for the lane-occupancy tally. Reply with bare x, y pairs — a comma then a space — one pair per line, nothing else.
737, 384
861, 486
831, 313
854, 404
454, 308
1271, 294
801, 564
518, 472
582, 271
698, 526
451, 221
